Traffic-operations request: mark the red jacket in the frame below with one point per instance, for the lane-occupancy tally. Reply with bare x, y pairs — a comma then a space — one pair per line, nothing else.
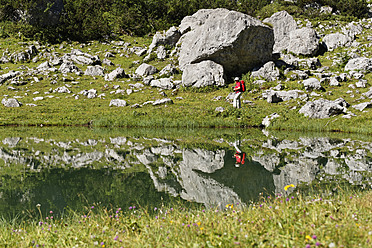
237, 87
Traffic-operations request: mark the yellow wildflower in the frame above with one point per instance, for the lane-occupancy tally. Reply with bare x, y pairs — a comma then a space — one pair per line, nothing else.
230, 206
289, 186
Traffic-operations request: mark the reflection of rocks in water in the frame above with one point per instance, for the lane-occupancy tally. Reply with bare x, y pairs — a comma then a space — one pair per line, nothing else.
204, 189
201, 175
307, 158
297, 171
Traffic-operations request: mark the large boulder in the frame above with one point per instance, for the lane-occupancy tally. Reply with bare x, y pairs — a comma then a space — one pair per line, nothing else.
323, 108
232, 39
304, 41
333, 41
283, 24
359, 64
205, 73
268, 71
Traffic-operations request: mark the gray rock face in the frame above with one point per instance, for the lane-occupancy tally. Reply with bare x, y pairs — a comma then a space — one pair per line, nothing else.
96, 70
205, 73
333, 41
268, 71
118, 103
303, 41
234, 40
323, 108
146, 70
283, 24
359, 64
11, 103
117, 73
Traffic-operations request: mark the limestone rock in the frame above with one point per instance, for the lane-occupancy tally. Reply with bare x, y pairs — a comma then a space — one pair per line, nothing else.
163, 101
362, 106
145, 70
163, 83
11, 103
323, 108
96, 70
359, 64
333, 41
117, 73
205, 73
283, 24
234, 40
268, 71
69, 67
267, 120
312, 84
118, 103
303, 41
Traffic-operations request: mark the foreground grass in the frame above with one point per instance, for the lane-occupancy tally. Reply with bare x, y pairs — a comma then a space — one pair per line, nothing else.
342, 220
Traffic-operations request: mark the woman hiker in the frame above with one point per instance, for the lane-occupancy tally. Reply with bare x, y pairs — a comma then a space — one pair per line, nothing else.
239, 89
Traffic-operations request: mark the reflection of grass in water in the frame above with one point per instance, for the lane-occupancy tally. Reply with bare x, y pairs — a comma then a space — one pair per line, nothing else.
294, 220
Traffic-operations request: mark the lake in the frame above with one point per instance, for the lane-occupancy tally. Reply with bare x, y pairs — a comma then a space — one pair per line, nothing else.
61, 168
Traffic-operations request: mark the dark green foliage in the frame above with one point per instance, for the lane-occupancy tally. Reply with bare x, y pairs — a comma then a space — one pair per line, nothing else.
95, 19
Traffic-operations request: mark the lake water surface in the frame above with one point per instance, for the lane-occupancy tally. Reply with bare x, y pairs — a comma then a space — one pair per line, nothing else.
72, 168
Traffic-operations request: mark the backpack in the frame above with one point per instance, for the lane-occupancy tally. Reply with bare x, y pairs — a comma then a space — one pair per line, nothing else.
242, 86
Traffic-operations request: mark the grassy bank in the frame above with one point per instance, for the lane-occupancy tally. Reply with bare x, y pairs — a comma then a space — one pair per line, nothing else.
191, 108
293, 220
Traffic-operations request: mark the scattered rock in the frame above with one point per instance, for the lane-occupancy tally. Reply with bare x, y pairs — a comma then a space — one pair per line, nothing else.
312, 84
362, 106
11, 103
69, 67
219, 109
115, 74
267, 120
118, 103
163, 101
163, 83
359, 64
96, 70
146, 70
62, 89
268, 71
323, 108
